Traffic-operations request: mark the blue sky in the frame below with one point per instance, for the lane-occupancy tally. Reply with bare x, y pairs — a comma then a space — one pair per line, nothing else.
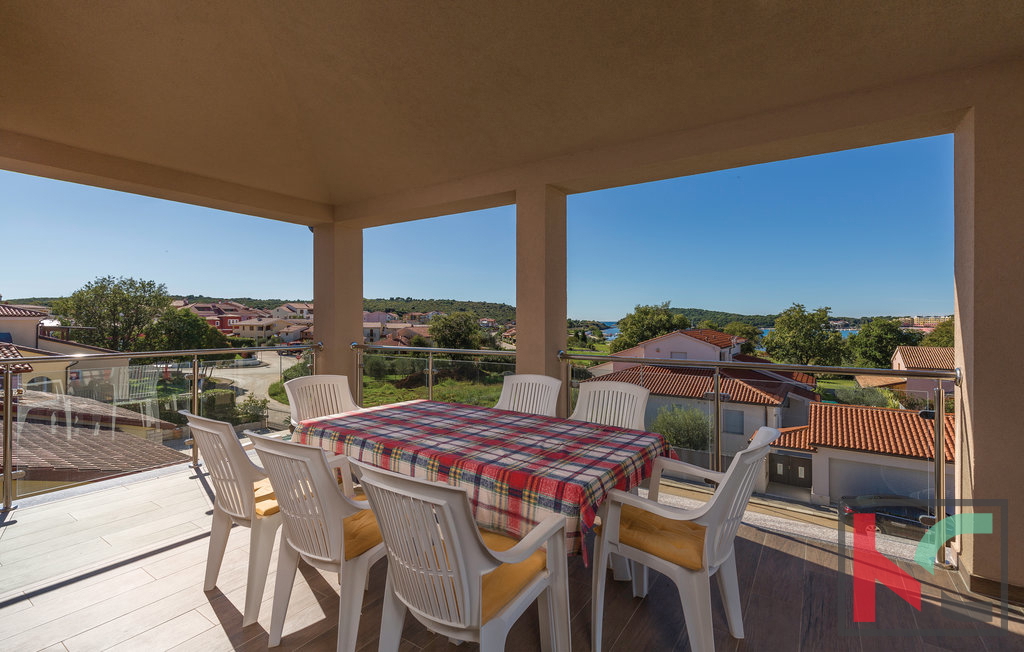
867, 232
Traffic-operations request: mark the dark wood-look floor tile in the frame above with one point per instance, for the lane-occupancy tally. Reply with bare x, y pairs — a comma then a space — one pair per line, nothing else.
779, 574
824, 625
770, 623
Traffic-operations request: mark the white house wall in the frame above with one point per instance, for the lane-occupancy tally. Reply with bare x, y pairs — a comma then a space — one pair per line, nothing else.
22, 330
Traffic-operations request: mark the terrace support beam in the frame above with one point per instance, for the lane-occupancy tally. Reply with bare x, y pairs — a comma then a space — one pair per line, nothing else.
989, 234
338, 293
540, 280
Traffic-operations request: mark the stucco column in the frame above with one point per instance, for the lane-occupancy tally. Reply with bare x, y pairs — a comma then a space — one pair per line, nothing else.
338, 295
990, 304
540, 279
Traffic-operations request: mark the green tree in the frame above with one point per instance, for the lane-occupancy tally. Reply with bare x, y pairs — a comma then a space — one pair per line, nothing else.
459, 330
802, 337
375, 366
747, 331
252, 409
646, 322
708, 324
180, 330
115, 310
941, 336
876, 341
683, 427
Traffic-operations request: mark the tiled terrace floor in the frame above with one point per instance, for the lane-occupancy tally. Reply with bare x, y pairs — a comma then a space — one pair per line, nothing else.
122, 568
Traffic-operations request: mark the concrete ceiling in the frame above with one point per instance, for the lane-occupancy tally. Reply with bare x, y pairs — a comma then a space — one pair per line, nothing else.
340, 102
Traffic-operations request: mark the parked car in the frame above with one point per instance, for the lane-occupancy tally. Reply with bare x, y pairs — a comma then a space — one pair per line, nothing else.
896, 515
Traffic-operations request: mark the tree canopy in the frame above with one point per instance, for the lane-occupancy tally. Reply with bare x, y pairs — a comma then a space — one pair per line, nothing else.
646, 322
115, 310
942, 335
802, 337
683, 427
876, 341
180, 330
459, 330
748, 331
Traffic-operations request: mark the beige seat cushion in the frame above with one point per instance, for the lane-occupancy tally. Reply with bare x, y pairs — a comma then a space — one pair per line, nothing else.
361, 533
266, 501
503, 583
680, 542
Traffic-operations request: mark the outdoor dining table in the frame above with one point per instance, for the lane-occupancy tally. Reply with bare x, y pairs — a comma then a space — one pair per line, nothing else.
519, 468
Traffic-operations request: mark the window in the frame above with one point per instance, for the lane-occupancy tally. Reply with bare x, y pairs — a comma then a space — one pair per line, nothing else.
677, 355
732, 421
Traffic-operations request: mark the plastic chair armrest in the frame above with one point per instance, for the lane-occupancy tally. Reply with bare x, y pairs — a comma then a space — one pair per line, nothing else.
666, 511
663, 464
553, 525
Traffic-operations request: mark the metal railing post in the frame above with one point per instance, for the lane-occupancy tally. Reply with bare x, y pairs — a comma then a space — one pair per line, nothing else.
8, 438
360, 366
195, 406
430, 376
940, 464
717, 425
566, 382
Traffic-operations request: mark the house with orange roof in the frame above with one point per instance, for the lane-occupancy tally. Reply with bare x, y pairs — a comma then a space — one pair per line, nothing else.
689, 344
293, 310
750, 399
850, 450
924, 358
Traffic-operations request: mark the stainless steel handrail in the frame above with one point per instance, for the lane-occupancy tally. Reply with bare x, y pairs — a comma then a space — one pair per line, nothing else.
761, 366
9, 475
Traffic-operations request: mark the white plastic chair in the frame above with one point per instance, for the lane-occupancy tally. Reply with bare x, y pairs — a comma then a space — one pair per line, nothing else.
318, 396
459, 581
687, 546
243, 496
612, 403
530, 393
323, 526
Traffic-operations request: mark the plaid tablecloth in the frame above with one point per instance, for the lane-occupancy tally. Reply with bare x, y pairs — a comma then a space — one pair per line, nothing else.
519, 468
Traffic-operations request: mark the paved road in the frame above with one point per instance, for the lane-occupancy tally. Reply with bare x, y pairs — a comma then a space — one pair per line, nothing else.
257, 380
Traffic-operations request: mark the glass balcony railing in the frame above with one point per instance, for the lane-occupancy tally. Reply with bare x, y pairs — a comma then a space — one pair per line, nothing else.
846, 432
391, 374
82, 418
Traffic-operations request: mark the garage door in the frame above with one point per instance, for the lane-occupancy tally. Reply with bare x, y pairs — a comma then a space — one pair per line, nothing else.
846, 478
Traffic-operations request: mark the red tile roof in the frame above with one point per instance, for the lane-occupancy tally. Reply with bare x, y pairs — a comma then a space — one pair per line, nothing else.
15, 311
797, 376
868, 429
742, 386
926, 357
78, 454
11, 352
719, 339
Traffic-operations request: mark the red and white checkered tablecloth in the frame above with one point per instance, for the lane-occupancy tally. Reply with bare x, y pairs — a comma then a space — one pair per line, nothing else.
519, 468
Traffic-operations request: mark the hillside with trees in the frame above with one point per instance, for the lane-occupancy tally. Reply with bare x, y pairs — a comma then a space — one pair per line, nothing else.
719, 319
500, 312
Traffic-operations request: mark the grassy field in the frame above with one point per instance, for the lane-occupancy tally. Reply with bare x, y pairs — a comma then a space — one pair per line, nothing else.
376, 392
840, 383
